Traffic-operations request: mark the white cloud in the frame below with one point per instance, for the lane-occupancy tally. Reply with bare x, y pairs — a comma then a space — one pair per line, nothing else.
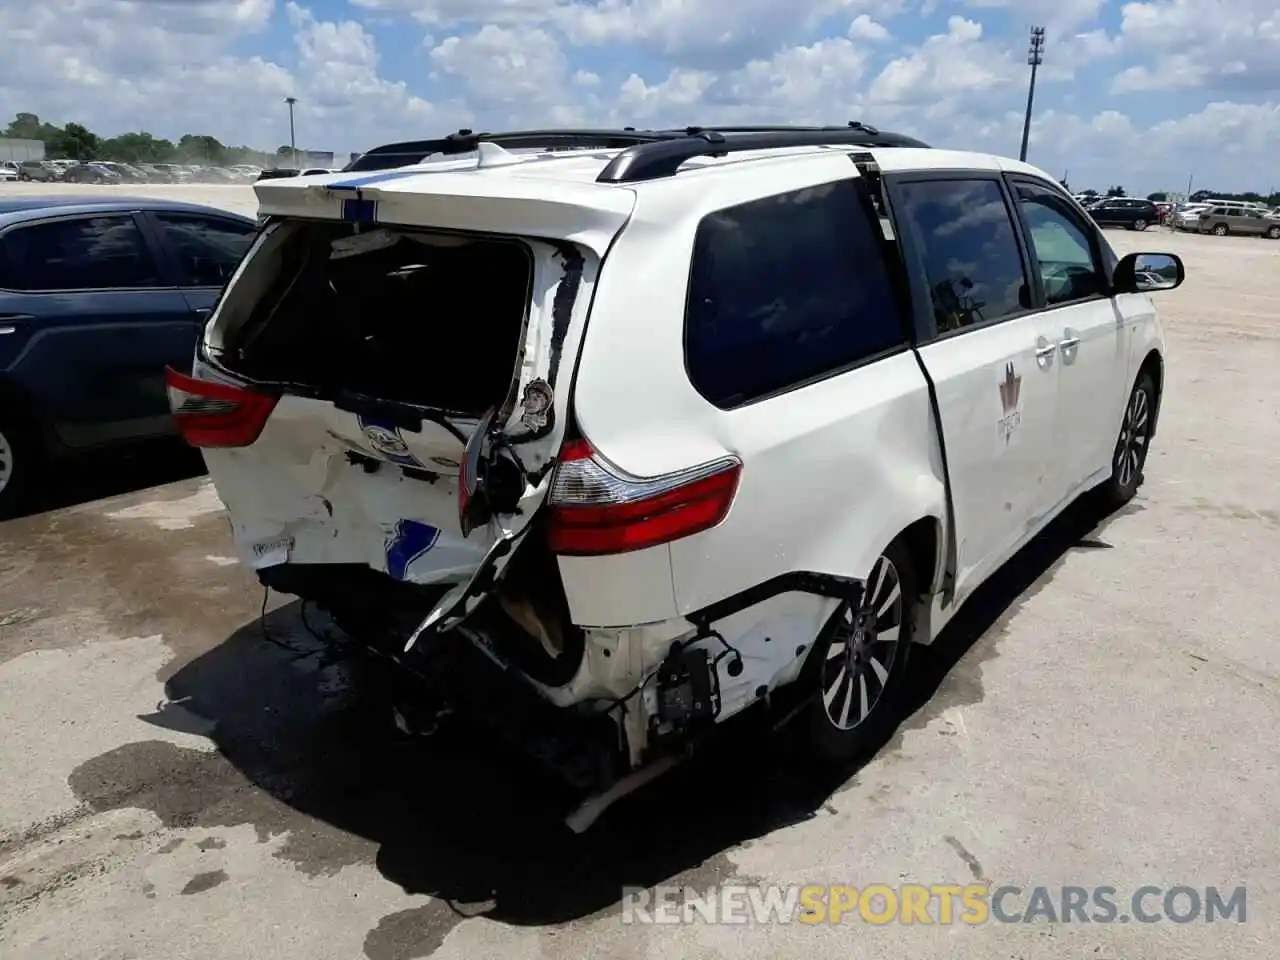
1056, 16
449, 13
803, 84
955, 64
505, 65
706, 33
1202, 43
864, 28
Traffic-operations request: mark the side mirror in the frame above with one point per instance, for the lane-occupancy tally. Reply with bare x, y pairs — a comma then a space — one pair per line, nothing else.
1148, 273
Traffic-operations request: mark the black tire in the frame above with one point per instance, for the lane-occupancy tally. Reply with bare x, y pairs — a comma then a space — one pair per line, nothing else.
20, 457
1132, 445
839, 726
1221, 230
1274, 232
1139, 224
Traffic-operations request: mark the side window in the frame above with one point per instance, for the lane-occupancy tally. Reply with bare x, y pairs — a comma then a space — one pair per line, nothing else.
1061, 246
83, 253
783, 290
208, 249
965, 238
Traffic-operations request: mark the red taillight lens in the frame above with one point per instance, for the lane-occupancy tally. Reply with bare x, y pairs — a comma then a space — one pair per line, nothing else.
595, 509
211, 414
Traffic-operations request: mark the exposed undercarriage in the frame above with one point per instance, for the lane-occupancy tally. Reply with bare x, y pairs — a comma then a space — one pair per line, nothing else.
478, 676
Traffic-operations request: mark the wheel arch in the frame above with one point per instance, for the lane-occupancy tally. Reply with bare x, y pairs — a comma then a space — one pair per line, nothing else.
17, 401
923, 540
15, 398
1153, 363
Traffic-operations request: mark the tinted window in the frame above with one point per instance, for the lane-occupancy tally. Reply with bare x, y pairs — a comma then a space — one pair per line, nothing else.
208, 249
785, 289
967, 249
91, 253
1061, 246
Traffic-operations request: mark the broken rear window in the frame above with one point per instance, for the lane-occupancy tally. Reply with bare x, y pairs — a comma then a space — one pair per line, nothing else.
430, 320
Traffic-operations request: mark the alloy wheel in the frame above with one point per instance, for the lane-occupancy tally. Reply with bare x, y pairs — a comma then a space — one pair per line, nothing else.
1131, 451
6, 461
864, 649
1139, 224
1220, 230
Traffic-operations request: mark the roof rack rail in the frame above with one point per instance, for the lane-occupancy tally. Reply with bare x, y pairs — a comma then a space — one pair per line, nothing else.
648, 154
664, 157
408, 152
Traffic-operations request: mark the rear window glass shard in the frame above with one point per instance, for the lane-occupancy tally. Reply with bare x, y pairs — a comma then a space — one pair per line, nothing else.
430, 320
785, 289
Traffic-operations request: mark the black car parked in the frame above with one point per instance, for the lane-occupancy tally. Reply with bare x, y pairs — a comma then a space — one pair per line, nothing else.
90, 173
277, 173
1125, 212
97, 297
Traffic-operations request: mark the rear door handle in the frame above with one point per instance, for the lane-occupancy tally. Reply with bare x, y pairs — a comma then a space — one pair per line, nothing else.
1069, 342
1042, 352
10, 322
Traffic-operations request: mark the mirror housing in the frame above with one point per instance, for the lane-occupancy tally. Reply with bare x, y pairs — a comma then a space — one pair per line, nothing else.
1148, 273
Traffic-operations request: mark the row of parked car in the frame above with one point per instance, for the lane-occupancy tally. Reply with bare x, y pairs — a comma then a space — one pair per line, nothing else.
1219, 217
109, 171
1223, 217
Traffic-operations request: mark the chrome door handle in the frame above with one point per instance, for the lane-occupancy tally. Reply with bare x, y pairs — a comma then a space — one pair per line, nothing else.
1069, 342
1042, 352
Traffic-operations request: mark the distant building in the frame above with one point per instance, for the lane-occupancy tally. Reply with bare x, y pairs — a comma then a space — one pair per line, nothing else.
13, 149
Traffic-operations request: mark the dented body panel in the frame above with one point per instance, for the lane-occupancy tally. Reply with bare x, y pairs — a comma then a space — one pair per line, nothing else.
325, 485
827, 474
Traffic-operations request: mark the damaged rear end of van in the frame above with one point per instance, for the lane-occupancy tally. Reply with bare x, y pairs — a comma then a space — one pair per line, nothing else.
382, 396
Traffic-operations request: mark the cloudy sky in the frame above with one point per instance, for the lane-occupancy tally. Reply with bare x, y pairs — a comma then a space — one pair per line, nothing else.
1143, 94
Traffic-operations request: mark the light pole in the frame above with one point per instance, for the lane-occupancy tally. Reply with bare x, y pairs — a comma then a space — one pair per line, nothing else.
1035, 57
293, 143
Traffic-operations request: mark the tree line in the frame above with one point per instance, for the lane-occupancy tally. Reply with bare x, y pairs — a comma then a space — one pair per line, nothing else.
1271, 199
77, 142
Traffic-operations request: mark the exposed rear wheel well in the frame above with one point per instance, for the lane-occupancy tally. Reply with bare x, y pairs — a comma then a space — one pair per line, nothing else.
1153, 364
11, 395
922, 540
15, 404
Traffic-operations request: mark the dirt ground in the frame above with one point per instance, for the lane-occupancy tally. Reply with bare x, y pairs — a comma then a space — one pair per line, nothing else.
181, 778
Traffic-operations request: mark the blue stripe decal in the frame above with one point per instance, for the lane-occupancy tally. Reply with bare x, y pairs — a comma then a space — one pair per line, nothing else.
360, 211
408, 543
372, 178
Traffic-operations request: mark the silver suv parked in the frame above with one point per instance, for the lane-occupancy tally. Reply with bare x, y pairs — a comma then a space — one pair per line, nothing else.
1232, 218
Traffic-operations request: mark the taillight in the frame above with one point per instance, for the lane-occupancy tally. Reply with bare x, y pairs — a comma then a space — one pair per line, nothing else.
595, 509
209, 414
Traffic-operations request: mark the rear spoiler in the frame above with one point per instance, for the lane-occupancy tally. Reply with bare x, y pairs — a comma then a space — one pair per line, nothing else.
467, 199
